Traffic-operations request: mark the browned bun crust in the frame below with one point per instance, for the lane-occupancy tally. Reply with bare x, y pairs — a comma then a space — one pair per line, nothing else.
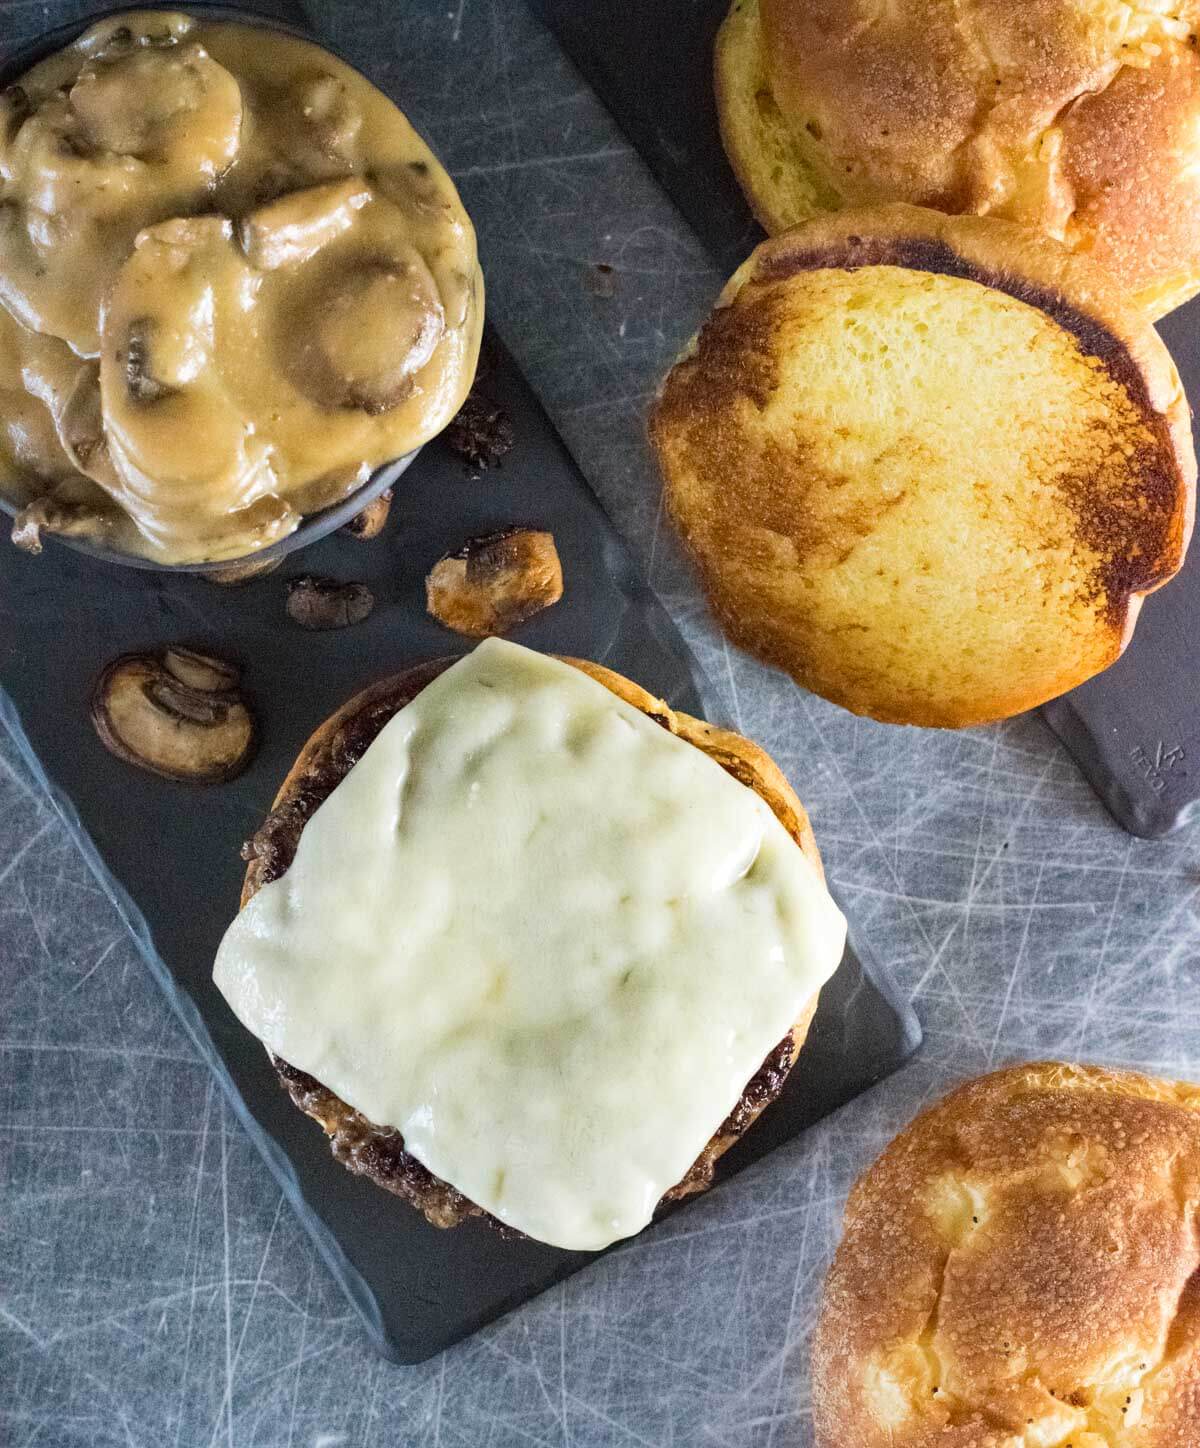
1076, 118
1021, 1266
378, 1152
1081, 487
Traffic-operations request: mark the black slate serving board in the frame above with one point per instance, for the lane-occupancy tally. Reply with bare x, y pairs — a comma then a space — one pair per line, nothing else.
167, 854
1135, 730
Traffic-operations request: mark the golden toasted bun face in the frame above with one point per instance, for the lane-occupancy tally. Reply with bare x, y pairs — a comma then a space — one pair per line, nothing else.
1021, 1267
1080, 118
929, 465
377, 1151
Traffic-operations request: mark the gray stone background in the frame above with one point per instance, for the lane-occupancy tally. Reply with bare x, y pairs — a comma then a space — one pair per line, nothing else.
154, 1290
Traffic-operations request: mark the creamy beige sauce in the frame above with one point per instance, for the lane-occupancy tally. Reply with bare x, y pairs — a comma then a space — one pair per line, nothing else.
275, 275
544, 938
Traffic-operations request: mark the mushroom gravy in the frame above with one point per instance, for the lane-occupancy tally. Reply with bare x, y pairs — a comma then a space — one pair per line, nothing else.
233, 281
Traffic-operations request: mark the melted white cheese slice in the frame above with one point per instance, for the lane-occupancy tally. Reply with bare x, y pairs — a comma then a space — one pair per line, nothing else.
542, 937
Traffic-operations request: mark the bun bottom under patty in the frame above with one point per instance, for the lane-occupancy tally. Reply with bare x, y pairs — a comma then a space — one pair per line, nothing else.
378, 1152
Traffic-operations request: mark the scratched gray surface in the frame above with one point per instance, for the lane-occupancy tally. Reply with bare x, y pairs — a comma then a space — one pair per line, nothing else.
153, 1288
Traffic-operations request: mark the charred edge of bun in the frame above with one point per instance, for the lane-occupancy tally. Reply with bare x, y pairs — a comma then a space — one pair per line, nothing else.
938, 257
1069, 290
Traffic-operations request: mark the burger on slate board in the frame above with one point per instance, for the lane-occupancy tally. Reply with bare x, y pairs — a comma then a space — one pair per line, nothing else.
529, 945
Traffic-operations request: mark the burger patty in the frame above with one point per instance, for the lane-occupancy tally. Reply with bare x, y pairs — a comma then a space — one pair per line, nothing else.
378, 1152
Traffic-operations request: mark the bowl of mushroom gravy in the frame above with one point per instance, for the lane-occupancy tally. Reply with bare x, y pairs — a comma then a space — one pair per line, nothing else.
237, 291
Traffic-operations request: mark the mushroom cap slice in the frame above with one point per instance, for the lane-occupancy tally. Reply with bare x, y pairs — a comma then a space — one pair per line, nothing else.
204, 672
495, 582
172, 106
176, 713
293, 228
322, 603
371, 520
376, 323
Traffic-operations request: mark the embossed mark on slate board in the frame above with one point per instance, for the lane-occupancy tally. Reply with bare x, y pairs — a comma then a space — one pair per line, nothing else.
1135, 730
167, 854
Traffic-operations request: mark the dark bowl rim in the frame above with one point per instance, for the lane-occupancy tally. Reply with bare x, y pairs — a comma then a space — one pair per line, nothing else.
313, 526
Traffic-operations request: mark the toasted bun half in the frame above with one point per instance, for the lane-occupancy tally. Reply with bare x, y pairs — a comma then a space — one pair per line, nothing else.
1077, 118
929, 465
378, 1152
1021, 1267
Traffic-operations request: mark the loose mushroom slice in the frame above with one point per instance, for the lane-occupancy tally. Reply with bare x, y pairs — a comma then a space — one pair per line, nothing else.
321, 603
495, 582
199, 671
293, 228
481, 433
176, 713
370, 522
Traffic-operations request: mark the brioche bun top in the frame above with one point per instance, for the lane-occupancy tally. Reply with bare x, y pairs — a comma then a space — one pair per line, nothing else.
1080, 118
1020, 1268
